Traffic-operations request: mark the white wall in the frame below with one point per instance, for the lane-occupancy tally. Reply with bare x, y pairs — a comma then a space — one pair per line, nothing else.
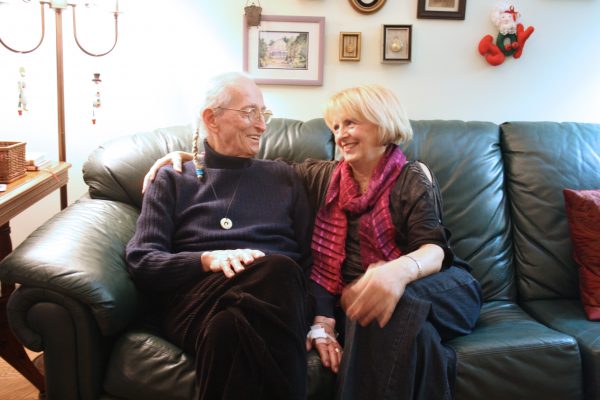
166, 50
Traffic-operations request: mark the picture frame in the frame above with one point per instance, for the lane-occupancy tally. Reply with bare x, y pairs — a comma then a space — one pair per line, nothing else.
441, 9
285, 50
367, 6
396, 43
350, 46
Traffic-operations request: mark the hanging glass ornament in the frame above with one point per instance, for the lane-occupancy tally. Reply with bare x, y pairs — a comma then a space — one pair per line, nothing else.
22, 105
97, 102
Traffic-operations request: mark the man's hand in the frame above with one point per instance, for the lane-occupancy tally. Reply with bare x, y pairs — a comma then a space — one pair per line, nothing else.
175, 158
328, 347
230, 262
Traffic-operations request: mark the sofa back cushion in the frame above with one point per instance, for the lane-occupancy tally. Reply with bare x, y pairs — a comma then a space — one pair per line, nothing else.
115, 171
542, 159
466, 159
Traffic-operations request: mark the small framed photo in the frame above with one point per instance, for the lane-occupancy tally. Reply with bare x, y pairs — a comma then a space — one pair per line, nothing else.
285, 50
349, 46
441, 9
396, 43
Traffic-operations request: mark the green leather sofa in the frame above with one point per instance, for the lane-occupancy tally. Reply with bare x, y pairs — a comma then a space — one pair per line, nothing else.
502, 188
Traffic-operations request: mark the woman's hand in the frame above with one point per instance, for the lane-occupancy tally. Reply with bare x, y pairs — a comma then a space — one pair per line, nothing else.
325, 342
175, 158
375, 294
230, 262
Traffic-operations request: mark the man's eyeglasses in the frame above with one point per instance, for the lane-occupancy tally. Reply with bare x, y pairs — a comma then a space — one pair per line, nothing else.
253, 113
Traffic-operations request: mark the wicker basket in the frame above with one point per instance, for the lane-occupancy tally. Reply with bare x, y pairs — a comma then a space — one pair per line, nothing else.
12, 161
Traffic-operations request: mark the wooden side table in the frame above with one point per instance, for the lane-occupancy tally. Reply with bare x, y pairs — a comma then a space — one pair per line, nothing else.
19, 196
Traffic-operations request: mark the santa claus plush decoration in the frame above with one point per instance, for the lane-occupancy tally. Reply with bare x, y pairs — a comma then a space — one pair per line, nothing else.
511, 37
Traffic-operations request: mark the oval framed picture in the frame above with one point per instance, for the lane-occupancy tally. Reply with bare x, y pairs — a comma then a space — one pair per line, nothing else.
367, 6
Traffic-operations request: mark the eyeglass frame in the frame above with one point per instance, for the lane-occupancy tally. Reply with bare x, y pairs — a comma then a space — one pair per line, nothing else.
266, 114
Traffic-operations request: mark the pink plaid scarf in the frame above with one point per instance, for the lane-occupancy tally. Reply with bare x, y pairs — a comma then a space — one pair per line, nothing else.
376, 230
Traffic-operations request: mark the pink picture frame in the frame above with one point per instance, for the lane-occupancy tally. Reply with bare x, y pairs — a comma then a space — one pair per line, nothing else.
285, 50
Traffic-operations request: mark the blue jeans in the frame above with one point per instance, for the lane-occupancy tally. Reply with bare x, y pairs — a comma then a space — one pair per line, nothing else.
407, 359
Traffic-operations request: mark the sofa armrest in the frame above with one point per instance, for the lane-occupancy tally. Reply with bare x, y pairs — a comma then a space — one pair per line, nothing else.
80, 253
75, 352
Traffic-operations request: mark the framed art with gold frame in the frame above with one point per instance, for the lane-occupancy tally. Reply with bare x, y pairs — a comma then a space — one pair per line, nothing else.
396, 43
367, 6
350, 46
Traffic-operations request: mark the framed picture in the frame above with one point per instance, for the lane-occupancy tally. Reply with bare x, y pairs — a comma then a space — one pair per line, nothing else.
349, 46
367, 6
441, 9
285, 50
396, 43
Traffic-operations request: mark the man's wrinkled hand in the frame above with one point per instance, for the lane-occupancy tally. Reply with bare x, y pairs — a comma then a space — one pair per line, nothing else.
230, 262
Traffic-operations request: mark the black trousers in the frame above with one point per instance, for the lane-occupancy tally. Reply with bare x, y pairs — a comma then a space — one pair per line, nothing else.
247, 333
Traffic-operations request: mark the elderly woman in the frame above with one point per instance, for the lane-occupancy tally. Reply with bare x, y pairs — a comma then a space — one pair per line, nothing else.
383, 271
382, 254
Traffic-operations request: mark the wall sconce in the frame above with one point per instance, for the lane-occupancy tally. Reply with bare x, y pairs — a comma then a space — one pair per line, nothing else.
58, 6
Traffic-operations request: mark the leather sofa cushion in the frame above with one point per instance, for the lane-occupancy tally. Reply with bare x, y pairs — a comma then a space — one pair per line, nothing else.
144, 366
296, 140
542, 159
525, 359
115, 170
466, 159
568, 316
510, 355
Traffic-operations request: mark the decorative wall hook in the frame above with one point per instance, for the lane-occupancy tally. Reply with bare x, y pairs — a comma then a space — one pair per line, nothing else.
252, 13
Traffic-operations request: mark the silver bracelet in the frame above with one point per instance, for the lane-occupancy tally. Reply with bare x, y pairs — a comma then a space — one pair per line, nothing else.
420, 269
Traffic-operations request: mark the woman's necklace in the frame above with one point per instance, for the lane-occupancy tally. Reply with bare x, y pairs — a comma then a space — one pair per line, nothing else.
226, 222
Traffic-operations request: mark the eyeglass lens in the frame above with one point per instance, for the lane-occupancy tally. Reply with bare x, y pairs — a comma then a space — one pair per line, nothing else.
253, 115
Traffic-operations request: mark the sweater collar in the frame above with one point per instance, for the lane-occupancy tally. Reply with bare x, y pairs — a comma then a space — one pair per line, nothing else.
213, 159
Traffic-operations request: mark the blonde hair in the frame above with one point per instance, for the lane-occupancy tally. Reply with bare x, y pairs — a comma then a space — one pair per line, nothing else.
374, 104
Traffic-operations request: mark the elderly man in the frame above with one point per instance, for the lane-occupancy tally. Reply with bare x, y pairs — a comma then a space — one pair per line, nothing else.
223, 248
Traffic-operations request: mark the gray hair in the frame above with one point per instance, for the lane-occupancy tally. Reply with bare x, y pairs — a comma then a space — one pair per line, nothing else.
217, 94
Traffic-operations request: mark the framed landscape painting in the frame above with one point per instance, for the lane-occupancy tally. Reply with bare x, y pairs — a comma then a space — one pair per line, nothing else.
285, 50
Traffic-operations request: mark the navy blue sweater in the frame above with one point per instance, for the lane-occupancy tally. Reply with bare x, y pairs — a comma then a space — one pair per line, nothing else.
180, 218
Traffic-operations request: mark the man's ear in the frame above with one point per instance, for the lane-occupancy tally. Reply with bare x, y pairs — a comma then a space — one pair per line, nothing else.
208, 117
